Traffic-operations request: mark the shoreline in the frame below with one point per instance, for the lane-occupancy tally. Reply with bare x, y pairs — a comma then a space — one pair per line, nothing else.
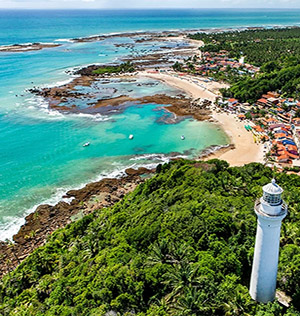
159, 34
46, 218
31, 235
243, 149
68, 82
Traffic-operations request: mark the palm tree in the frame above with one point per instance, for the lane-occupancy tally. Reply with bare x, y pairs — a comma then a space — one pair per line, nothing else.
180, 276
191, 303
160, 253
237, 304
179, 252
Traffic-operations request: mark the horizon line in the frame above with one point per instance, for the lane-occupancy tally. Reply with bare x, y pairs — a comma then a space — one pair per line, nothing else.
148, 8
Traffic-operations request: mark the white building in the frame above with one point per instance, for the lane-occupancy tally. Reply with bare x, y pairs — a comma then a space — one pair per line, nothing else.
270, 211
242, 60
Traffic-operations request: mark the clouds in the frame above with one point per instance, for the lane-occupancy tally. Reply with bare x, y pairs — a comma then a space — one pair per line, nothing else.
116, 4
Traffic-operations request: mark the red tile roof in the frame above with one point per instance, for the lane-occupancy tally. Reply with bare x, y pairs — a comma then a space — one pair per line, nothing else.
262, 100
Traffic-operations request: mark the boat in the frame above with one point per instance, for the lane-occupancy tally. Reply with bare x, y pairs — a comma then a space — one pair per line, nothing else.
86, 144
130, 136
182, 137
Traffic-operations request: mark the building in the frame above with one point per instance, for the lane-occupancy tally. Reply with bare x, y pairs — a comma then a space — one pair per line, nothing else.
262, 102
270, 211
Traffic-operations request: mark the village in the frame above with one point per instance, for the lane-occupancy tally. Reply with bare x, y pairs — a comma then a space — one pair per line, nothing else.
214, 64
274, 121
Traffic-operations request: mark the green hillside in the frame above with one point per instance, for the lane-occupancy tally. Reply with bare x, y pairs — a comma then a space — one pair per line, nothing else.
181, 244
259, 46
276, 51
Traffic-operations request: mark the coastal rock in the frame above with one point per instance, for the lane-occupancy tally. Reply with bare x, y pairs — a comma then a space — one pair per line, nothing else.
47, 218
138, 172
19, 48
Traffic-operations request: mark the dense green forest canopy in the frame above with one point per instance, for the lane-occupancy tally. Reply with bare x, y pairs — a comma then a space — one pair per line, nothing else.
276, 51
259, 46
286, 81
124, 67
180, 245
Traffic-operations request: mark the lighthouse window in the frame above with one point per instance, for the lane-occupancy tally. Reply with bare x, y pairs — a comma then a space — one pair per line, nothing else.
272, 199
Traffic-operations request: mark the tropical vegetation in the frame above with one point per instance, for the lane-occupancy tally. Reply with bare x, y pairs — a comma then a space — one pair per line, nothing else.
181, 244
259, 46
275, 51
124, 67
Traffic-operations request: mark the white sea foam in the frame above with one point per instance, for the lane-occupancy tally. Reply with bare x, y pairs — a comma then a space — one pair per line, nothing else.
35, 103
60, 83
68, 40
13, 224
212, 149
95, 117
11, 227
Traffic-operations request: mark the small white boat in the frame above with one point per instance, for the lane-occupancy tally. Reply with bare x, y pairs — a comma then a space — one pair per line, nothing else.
182, 137
86, 144
130, 136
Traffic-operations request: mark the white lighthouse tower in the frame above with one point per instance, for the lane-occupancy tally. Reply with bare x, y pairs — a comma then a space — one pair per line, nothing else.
270, 211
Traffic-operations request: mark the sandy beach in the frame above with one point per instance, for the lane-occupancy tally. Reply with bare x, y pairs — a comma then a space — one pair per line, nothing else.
245, 149
194, 87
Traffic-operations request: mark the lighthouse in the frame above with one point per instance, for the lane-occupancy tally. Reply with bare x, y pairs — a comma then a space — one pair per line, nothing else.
270, 210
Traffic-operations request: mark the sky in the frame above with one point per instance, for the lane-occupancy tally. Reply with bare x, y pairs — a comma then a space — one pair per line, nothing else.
128, 4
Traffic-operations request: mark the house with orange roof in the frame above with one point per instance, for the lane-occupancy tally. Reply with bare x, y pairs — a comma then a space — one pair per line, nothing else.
272, 101
280, 110
262, 102
296, 121
284, 118
283, 159
273, 94
279, 135
232, 100
271, 121
258, 129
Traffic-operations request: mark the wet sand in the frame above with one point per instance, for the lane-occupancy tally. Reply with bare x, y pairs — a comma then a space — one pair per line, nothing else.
243, 150
246, 150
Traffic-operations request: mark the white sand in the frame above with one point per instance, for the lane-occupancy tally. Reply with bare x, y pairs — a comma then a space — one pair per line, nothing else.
196, 87
246, 150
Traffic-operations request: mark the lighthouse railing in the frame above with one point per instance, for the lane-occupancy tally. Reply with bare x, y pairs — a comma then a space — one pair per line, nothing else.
283, 211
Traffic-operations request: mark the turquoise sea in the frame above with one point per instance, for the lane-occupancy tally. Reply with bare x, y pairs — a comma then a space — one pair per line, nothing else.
41, 153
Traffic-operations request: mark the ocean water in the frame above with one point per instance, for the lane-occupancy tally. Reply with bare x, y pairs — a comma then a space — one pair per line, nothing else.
41, 154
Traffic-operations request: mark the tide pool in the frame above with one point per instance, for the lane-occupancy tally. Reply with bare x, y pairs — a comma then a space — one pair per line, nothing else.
43, 159
41, 153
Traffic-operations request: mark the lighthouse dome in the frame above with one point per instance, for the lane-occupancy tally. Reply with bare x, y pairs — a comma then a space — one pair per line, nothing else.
273, 188
272, 193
